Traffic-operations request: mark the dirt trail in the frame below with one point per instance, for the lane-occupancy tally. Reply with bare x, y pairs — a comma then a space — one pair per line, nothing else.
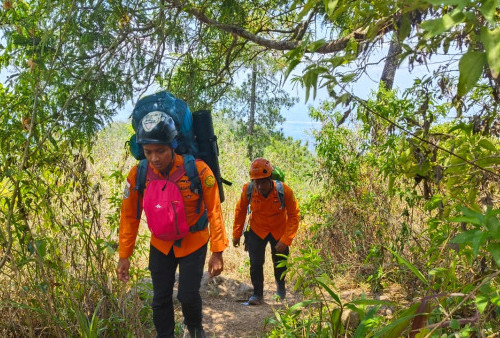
224, 312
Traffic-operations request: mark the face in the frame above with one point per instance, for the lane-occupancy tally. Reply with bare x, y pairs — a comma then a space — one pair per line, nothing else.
264, 185
159, 155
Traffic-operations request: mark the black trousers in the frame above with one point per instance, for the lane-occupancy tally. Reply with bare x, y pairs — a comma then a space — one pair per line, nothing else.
163, 269
257, 253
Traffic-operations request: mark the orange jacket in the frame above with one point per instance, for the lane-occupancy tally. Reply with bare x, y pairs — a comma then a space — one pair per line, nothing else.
129, 224
266, 216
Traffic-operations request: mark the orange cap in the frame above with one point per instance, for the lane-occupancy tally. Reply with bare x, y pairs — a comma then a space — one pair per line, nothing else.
260, 168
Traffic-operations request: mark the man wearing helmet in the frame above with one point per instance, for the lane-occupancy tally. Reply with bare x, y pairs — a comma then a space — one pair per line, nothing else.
273, 219
157, 135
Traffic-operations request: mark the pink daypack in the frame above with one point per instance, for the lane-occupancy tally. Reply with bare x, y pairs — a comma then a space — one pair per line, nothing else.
164, 206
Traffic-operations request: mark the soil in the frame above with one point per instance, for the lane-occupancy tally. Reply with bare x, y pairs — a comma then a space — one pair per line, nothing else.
226, 315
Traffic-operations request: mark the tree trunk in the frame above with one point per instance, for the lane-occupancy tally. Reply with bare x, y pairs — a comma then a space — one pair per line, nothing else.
387, 78
391, 64
251, 117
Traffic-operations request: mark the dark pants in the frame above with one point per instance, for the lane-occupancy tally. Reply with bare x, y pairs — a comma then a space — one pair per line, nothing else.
163, 275
257, 253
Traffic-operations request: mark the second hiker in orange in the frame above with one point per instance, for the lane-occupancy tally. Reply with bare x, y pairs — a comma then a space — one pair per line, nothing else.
274, 219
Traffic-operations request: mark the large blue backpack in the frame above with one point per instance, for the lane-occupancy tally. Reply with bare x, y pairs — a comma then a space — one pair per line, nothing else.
187, 146
177, 109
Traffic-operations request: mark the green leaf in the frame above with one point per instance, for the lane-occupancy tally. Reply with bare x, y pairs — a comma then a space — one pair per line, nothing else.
493, 225
464, 219
397, 326
454, 324
443, 24
313, 46
307, 8
488, 9
348, 77
330, 6
488, 161
491, 42
405, 27
479, 238
391, 184
460, 126
458, 3
481, 302
471, 213
410, 266
302, 304
465, 237
494, 250
336, 61
433, 203
291, 66
363, 327
323, 281
488, 145
471, 67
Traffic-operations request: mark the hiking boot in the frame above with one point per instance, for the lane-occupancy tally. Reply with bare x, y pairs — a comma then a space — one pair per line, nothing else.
280, 289
255, 300
194, 332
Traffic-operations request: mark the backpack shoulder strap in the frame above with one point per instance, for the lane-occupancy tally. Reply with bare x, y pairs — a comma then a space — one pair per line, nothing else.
250, 191
279, 189
194, 178
250, 187
140, 183
281, 193
177, 174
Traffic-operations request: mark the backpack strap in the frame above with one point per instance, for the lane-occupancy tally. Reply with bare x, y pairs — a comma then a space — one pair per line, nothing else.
279, 189
281, 193
140, 183
177, 174
200, 224
250, 187
194, 178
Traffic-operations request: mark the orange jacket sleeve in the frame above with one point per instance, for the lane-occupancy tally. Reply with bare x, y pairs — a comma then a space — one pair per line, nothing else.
218, 237
129, 224
240, 213
293, 216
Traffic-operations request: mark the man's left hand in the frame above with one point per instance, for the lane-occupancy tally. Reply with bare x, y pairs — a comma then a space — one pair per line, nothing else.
215, 264
280, 246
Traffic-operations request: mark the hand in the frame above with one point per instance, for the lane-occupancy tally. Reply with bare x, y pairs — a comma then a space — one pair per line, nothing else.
236, 242
122, 269
280, 246
215, 264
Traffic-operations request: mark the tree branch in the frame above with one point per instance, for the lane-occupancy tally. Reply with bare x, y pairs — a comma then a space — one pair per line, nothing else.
385, 24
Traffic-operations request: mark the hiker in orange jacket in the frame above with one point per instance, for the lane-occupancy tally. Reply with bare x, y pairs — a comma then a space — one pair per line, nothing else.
158, 141
273, 219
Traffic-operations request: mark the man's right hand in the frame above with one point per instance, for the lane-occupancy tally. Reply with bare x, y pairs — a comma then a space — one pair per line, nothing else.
122, 269
236, 242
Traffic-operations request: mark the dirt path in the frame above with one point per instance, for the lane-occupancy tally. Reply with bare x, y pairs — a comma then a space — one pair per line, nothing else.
224, 312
